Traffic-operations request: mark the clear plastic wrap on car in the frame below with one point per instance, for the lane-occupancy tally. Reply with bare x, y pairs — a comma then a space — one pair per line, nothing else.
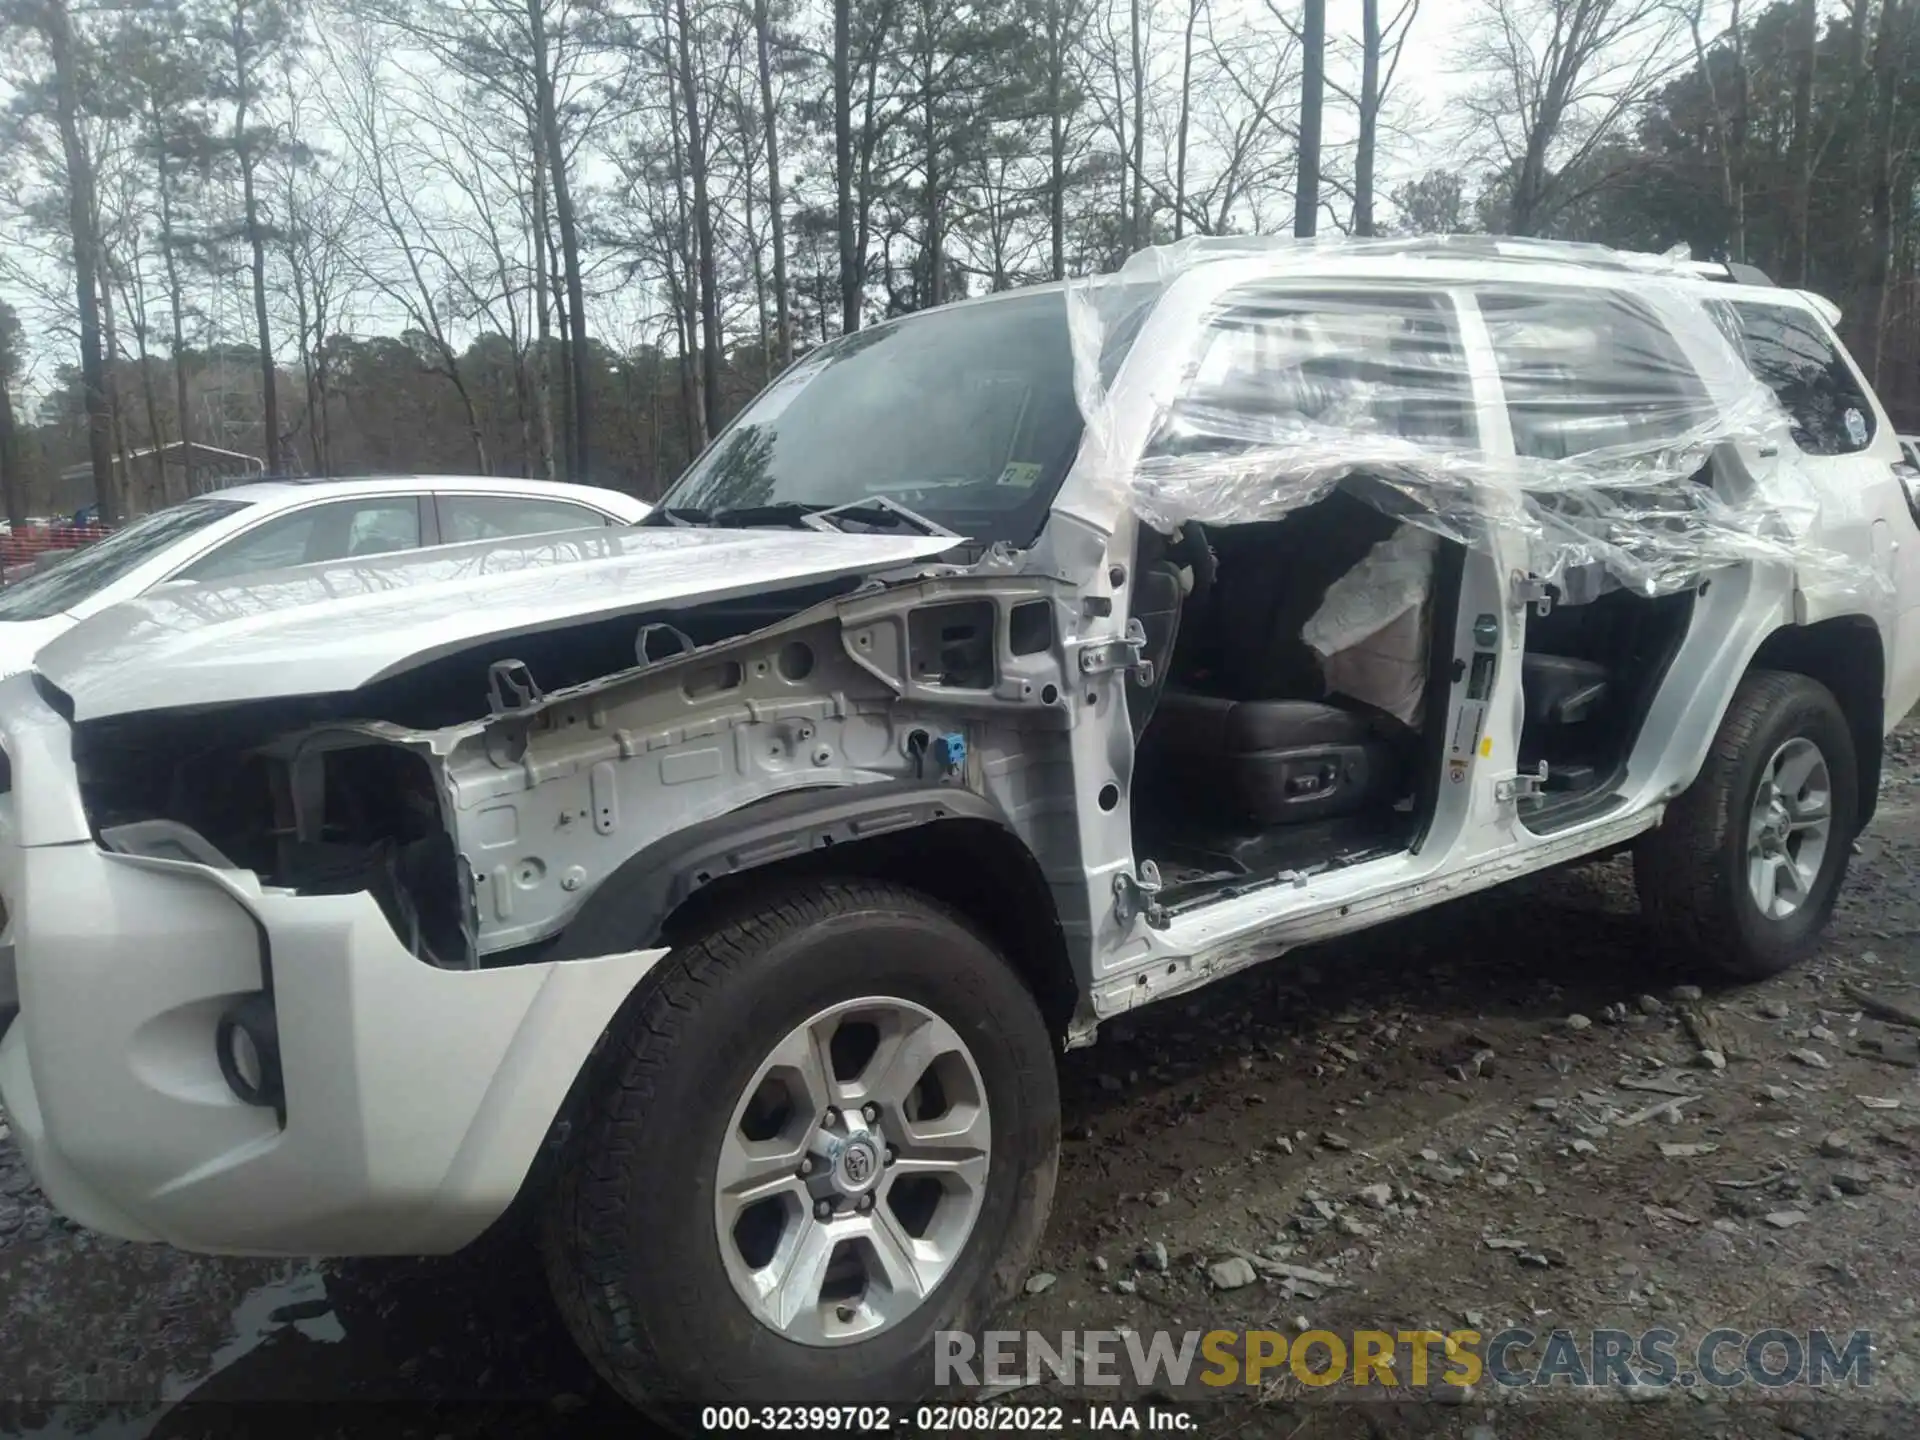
1310, 367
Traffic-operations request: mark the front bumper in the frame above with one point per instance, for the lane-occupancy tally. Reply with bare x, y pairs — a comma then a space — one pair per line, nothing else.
416, 1098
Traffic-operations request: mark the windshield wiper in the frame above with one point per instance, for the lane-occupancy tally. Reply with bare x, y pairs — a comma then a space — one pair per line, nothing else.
741, 517
752, 517
876, 511
678, 515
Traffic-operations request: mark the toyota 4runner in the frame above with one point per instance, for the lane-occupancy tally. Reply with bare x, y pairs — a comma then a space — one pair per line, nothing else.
723, 887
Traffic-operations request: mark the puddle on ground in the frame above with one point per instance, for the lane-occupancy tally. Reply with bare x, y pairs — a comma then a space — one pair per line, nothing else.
297, 1301
300, 1302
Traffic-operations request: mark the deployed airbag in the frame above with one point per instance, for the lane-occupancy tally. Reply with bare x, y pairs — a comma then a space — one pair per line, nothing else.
1370, 631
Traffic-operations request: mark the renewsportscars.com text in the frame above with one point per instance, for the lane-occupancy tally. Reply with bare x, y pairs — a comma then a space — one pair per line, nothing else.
1721, 1359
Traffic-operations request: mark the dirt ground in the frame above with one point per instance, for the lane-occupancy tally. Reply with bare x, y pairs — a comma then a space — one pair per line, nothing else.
1490, 1064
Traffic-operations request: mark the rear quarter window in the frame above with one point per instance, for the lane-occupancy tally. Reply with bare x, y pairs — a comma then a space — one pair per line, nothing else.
1790, 352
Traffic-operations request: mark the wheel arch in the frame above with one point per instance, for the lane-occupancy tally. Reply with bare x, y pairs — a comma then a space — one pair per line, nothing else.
1846, 655
950, 844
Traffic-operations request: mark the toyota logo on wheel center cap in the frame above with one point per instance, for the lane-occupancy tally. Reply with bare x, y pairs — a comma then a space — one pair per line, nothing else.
858, 1166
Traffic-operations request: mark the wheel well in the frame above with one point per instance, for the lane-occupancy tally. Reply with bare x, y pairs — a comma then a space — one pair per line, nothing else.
974, 866
1845, 655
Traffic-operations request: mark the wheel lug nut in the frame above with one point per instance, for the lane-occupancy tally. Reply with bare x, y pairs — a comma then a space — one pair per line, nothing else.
824, 1210
865, 1204
806, 1167
892, 1155
832, 1117
870, 1113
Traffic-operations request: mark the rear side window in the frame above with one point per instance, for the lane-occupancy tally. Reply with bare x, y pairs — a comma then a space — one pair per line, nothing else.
344, 529
1589, 370
1790, 353
1279, 366
495, 517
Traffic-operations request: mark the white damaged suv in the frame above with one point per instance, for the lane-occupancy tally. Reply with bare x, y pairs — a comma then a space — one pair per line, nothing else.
724, 886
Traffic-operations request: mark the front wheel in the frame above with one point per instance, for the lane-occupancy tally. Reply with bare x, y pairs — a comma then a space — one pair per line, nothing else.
1743, 872
816, 1137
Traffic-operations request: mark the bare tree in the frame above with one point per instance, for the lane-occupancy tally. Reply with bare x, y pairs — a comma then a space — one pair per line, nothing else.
861, 120
1062, 26
554, 151
121, 227
121, 478
1807, 28
542, 380
1379, 45
1184, 128
1729, 117
1137, 234
528, 54
1893, 58
161, 62
13, 486
770, 121
1244, 127
51, 23
321, 240
1558, 79
843, 163
706, 276
416, 273
672, 229
252, 34
1313, 71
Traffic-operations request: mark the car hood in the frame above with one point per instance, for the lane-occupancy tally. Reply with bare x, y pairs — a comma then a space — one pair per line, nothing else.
337, 626
20, 640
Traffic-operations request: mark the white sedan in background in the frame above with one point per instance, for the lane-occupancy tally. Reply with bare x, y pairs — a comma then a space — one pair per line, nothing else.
275, 524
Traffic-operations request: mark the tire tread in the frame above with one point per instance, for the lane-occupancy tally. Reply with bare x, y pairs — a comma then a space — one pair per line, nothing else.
584, 1238
1679, 867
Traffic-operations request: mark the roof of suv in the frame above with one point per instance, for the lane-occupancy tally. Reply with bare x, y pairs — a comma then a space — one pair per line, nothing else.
1453, 258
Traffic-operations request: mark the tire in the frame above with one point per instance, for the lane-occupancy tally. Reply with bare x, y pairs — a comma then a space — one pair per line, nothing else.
635, 1247
1694, 872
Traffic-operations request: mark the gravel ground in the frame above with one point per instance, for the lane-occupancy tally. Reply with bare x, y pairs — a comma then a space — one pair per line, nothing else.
1485, 1063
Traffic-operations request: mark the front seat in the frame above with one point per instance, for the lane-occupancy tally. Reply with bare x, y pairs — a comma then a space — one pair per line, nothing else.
1274, 762
1233, 733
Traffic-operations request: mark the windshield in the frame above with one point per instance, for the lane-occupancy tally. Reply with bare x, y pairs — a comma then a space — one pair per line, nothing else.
98, 565
966, 416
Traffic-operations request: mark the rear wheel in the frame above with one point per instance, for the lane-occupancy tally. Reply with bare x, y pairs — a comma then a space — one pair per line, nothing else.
1744, 871
818, 1136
